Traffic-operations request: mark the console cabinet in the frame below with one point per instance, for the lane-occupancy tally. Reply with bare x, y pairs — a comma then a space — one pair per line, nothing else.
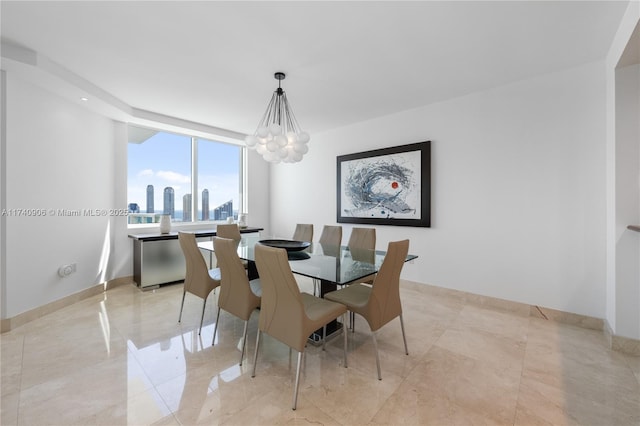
158, 258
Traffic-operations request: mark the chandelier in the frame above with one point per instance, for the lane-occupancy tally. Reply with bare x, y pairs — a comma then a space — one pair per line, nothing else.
278, 136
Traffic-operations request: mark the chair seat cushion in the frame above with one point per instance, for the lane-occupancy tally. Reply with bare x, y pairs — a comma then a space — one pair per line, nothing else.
320, 310
353, 297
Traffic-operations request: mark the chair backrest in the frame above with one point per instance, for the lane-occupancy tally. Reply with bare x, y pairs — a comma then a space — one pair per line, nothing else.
362, 244
331, 235
384, 302
228, 230
282, 311
236, 296
197, 279
330, 240
303, 232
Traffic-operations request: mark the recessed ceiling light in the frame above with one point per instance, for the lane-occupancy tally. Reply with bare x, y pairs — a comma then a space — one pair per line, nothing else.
83, 99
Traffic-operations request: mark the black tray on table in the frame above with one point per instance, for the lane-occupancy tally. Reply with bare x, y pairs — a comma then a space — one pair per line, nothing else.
294, 248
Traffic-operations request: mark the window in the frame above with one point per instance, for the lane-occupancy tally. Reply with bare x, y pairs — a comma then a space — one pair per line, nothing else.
165, 170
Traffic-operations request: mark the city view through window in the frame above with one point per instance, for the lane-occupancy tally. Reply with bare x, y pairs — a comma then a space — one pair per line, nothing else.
160, 177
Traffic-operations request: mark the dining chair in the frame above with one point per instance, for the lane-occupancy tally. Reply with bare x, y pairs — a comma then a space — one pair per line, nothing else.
286, 314
199, 279
303, 232
331, 235
379, 303
362, 248
330, 241
232, 232
228, 230
238, 295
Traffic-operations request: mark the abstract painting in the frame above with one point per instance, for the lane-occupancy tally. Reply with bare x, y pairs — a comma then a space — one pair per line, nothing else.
389, 186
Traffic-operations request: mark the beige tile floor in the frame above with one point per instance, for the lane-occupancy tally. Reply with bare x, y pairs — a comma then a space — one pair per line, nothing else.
122, 358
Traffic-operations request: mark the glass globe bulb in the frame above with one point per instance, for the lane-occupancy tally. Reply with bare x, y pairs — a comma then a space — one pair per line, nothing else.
292, 138
275, 129
302, 148
262, 131
304, 137
281, 140
251, 141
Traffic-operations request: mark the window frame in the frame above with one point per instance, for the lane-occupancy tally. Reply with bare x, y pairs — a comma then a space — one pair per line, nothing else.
194, 140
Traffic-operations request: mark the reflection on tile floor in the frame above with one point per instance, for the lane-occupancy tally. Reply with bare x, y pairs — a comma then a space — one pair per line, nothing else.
122, 359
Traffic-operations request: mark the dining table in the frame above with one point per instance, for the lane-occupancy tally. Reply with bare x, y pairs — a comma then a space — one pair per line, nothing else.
332, 266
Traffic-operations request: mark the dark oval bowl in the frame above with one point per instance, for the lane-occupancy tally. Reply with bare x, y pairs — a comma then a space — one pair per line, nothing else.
289, 245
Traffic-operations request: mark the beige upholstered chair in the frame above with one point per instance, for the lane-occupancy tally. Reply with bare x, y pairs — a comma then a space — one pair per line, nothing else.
238, 295
232, 232
330, 241
362, 247
379, 303
228, 230
199, 280
286, 314
303, 232
331, 236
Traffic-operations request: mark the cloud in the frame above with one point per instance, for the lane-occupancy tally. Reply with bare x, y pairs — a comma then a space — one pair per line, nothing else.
173, 177
145, 172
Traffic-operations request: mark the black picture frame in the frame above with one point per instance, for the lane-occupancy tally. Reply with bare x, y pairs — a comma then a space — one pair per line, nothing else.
388, 186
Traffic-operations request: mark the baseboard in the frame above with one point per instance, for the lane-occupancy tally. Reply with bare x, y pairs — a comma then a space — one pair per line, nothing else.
616, 343
621, 344
9, 324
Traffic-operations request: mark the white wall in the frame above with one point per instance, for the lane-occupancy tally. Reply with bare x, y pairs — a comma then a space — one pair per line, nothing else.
518, 190
259, 192
59, 156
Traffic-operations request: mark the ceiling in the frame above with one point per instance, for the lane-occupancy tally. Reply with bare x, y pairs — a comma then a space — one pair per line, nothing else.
213, 62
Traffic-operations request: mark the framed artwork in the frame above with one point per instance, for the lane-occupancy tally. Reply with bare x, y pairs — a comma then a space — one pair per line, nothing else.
389, 186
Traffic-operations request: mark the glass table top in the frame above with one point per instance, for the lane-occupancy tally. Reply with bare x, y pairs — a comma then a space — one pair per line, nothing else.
329, 263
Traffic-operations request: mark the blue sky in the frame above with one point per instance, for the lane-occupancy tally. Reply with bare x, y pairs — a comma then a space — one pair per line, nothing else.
165, 160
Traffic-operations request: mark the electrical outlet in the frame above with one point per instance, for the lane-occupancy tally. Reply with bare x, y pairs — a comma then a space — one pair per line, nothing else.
66, 270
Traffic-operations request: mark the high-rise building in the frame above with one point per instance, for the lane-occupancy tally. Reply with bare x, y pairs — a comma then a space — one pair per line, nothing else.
150, 206
223, 211
205, 204
169, 203
186, 208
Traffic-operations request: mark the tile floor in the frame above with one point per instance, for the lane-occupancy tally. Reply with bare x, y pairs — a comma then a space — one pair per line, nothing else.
121, 358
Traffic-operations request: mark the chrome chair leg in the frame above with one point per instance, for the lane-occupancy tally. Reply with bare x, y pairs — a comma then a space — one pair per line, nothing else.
406, 350
295, 389
375, 346
184, 293
244, 340
204, 305
255, 356
215, 329
344, 332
